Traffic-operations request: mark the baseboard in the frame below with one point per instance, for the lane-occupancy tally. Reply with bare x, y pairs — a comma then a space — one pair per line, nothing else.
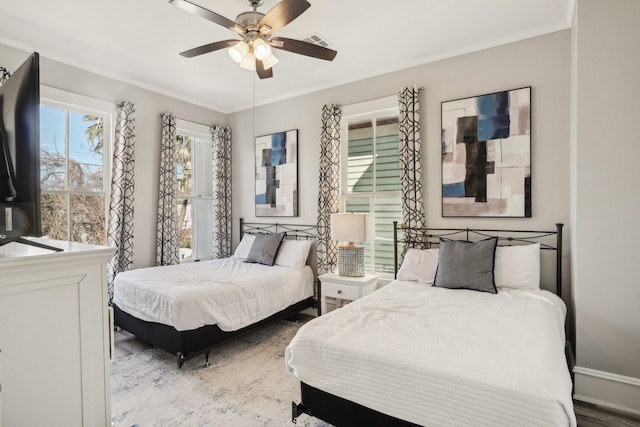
607, 390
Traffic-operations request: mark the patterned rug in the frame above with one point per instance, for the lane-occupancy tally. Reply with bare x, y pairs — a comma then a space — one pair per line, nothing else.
246, 385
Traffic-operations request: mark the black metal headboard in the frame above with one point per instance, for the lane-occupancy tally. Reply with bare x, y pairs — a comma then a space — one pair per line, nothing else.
294, 231
426, 238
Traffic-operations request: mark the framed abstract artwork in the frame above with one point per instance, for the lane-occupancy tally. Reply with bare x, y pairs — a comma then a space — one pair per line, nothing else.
486, 155
277, 174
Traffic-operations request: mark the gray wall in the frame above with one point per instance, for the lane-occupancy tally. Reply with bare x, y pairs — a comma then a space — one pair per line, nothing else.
606, 205
148, 107
541, 62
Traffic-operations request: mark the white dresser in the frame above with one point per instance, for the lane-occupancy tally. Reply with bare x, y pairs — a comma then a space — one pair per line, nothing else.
54, 336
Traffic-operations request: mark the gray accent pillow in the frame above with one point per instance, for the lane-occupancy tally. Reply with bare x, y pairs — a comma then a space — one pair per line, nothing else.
265, 248
467, 265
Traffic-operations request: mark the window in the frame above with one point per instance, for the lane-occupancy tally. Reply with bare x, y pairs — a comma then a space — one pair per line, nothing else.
75, 148
195, 190
370, 168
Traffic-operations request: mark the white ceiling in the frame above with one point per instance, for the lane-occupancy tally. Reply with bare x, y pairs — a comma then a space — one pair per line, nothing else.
138, 41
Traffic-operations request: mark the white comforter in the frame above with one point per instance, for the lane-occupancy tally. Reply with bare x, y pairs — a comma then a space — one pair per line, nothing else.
226, 292
443, 357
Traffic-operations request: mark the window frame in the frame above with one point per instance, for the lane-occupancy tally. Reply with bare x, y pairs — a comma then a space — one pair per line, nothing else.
200, 132
74, 102
369, 109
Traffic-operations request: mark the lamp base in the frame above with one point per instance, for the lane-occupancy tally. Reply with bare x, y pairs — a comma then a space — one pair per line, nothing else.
351, 261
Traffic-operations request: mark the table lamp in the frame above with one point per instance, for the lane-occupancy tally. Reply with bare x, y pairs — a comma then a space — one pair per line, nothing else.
349, 227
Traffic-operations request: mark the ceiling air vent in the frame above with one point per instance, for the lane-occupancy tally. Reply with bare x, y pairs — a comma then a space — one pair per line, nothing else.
316, 39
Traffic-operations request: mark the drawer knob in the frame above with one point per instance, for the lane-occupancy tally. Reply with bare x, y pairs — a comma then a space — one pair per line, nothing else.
339, 291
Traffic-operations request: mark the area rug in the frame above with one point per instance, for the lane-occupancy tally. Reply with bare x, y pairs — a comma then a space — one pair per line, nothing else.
245, 385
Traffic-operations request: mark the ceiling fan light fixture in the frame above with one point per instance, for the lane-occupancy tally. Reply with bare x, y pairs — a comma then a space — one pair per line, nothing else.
269, 61
239, 51
261, 49
249, 62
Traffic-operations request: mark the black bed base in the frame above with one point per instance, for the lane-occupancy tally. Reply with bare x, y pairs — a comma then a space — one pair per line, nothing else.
340, 412
188, 344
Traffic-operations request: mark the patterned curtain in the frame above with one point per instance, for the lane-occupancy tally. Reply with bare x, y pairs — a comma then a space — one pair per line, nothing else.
120, 227
411, 158
4, 75
167, 235
329, 186
221, 158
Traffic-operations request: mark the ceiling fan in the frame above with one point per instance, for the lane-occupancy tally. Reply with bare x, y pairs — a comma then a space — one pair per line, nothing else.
256, 30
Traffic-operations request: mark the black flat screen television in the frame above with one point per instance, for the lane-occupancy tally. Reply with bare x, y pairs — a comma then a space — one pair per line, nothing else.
20, 154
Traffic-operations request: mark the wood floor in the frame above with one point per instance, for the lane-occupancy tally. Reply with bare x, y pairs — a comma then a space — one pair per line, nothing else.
589, 415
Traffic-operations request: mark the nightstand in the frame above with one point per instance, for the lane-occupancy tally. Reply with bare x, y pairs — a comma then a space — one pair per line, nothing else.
332, 285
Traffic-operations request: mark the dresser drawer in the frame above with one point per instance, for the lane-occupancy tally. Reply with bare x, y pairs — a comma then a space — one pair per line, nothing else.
336, 290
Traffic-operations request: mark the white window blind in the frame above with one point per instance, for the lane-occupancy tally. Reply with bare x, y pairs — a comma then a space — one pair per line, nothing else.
370, 170
195, 190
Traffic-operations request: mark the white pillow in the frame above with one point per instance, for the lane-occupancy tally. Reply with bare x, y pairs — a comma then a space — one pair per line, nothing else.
242, 251
517, 266
293, 253
419, 265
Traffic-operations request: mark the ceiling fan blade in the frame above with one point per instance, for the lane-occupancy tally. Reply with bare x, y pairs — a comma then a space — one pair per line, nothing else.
211, 47
281, 14
262, 73
207, 14
303, 48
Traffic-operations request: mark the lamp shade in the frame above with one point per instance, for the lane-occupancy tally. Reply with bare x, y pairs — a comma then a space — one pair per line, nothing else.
269, 61
249, 62
261, 49
238, 51
348, 227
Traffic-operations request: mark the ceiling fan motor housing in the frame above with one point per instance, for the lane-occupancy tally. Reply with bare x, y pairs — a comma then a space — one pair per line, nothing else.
249, 21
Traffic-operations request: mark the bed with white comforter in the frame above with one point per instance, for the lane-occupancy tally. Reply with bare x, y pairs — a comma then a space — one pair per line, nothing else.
226, 292
443, 357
